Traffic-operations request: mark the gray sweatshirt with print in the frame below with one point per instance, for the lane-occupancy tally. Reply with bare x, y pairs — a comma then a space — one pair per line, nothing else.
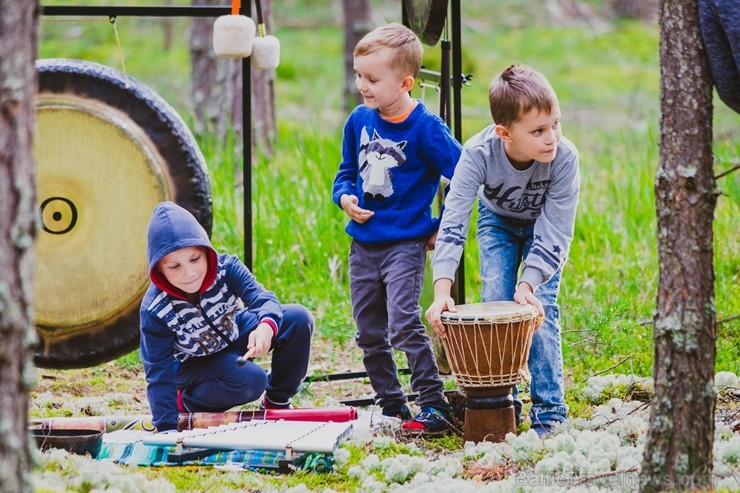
546, 192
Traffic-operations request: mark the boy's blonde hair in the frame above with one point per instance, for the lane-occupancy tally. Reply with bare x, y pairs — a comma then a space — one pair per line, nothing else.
516, 90
407, 49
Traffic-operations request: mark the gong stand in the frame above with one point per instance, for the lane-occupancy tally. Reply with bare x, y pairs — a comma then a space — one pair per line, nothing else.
429, 16
112, 12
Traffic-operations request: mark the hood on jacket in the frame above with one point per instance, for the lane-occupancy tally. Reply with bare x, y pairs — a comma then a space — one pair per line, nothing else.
171, 228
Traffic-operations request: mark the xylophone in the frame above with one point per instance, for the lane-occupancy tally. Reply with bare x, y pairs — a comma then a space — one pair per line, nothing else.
292, 437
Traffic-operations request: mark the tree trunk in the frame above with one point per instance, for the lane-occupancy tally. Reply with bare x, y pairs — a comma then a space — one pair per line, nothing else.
356, 24
216, 86
215, 82
678, 451
18, 45
634, 9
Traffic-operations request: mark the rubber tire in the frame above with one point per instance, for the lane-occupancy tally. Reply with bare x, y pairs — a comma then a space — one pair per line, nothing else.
187, 183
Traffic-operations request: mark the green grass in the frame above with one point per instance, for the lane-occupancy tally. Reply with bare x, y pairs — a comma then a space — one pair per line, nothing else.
607, 78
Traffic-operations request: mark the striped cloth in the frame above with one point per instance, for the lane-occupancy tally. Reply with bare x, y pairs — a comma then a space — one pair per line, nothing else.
138, 454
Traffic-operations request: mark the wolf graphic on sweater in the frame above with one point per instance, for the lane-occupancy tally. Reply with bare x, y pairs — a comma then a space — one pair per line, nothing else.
377, 157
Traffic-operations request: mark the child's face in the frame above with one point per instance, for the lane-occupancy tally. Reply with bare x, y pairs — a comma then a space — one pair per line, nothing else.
185, 268
381, 87
533, 137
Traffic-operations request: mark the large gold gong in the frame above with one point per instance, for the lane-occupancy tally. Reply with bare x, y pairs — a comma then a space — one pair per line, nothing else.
108, 149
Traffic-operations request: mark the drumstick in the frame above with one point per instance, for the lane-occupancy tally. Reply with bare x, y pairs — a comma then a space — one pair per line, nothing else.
243, 359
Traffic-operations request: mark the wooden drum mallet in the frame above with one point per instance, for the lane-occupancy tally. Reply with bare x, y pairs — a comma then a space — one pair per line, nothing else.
487, 346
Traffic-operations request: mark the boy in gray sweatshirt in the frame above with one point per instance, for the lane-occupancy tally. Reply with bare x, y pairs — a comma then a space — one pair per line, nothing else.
525, 176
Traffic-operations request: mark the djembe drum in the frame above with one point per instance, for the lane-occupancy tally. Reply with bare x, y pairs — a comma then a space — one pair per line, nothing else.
487, 346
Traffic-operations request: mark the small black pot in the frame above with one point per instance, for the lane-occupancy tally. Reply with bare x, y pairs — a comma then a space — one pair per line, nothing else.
78, 442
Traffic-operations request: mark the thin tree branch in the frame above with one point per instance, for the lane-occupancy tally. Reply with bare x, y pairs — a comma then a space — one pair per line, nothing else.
734, 168
626, 358
588, 479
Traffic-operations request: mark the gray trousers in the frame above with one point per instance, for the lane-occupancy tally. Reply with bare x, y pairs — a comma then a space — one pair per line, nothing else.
385, 287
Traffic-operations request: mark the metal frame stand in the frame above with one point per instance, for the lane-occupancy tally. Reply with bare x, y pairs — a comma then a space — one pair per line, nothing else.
192, 11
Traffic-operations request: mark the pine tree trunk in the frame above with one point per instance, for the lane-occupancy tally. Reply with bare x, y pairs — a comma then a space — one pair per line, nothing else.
18, 45
678, 451
356, 19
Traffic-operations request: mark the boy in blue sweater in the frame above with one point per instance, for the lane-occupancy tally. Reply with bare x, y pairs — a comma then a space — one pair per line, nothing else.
394, 153
202, 312
525, 176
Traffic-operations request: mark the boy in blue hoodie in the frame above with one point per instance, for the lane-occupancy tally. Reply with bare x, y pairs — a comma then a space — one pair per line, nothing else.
202, 312
394, 153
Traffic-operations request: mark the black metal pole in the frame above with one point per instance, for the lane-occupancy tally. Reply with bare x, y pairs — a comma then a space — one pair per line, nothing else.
113, 11
457, 82
247, 151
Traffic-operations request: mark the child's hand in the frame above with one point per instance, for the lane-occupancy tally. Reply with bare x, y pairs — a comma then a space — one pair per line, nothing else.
442, 301
525, 296
354, 211
431, 241
260, 340
434, 313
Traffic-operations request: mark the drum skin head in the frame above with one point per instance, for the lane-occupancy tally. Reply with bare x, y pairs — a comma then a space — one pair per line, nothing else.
491, 311
426, 18
108, 149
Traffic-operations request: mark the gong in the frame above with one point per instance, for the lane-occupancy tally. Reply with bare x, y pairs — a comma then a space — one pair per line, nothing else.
108, 149
426, 18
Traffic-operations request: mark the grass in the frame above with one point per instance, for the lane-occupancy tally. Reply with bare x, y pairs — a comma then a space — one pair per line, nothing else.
607, 78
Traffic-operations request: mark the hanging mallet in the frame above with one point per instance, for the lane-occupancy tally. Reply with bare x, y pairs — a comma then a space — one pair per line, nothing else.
233, 35
266, 48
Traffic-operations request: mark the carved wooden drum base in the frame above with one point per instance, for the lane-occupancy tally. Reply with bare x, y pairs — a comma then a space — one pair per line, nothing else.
489, 414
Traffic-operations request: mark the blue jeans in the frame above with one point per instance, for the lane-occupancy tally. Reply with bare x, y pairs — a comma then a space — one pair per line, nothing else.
385, 286
217, 383
504, 243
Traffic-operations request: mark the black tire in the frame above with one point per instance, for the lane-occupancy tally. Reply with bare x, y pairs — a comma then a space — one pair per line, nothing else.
108, 149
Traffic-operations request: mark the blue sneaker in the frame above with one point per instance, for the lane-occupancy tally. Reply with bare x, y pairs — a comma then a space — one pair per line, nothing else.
401, 413
430, 421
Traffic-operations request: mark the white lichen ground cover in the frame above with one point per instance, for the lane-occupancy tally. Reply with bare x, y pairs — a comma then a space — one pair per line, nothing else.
599, 454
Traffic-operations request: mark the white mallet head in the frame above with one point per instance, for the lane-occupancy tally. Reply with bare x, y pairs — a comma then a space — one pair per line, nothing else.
265, 52
233, 36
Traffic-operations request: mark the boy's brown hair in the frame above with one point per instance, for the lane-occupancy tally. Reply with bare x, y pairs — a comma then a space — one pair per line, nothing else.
406, 46
516, 90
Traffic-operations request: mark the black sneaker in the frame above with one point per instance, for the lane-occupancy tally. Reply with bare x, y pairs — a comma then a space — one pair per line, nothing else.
430, 421
401, 413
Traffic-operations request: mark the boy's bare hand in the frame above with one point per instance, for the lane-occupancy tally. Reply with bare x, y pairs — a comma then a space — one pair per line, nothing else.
260, 340
354, 211
434, 312
525, 296
431, 241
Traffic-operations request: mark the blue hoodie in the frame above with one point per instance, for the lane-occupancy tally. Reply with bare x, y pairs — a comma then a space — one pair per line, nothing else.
173, 329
